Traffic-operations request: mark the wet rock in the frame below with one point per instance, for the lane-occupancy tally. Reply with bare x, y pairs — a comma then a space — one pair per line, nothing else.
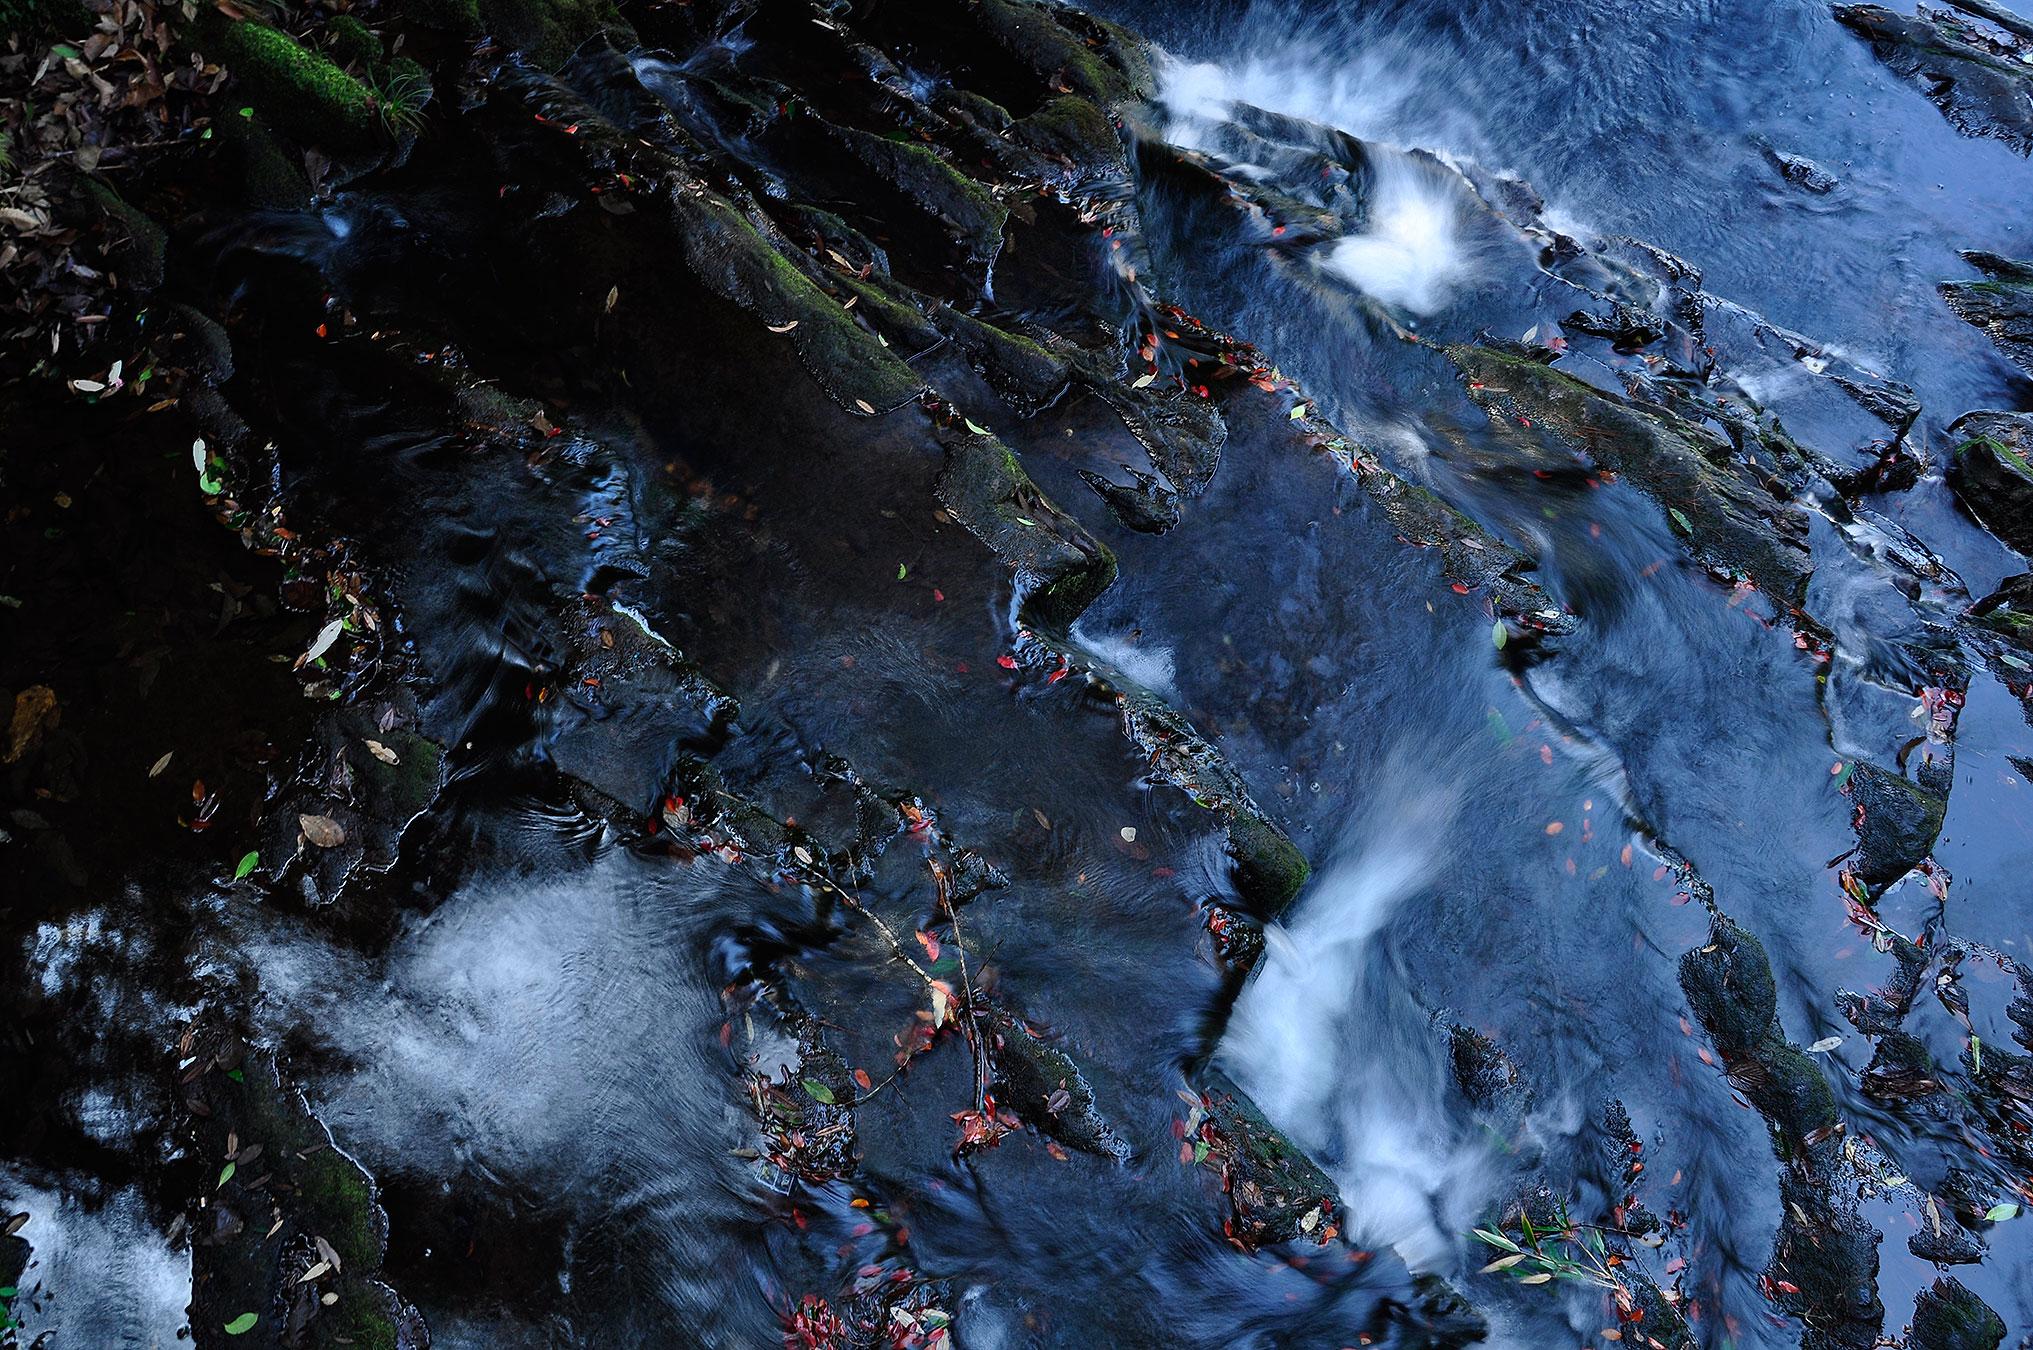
1947, 1316
1825, 1266
367, 774
2001, 305
1729, 519
1729, 984
1060, 567
1798, 170
1483, 1072
1275, 1192
1046, 1088
1626, 327
1974, 78
1992, 472
285, 1225
2008, 611
1147, 504
1897, 822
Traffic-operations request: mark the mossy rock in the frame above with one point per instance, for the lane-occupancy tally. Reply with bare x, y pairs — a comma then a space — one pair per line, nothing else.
1992, 472
1272, 1185
1900, 822
1093, 58
1060, 566
2008, 611
1729, 518
274, 1185
352, 43
141, 246
1030, 1077
1076, 131
1729, 984
298, 91
1947, 1316
448, 16
267, 175
547, 31
964, 206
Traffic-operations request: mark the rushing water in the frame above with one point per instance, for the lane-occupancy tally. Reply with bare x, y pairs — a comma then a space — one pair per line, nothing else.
525, 1049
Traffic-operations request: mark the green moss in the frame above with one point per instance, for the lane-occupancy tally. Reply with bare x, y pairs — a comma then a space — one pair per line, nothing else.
732, 259
1270, 869
1076, 129
935, 186
1729, 518
352, 43
300, 92
1104, 63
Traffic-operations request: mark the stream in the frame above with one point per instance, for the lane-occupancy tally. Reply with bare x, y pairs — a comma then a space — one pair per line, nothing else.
795, 838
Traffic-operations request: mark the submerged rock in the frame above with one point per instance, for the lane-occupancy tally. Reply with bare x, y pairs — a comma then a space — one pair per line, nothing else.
1947, 1316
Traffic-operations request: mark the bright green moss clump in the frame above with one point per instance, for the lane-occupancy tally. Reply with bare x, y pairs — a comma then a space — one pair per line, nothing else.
298, 91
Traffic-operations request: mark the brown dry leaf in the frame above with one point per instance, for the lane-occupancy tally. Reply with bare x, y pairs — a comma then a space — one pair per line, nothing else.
322, 830
381, 752
155, 769
783, 327
865, 406
35, 712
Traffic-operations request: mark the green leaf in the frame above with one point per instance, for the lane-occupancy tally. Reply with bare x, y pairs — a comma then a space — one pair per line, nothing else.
68, 53
209, 485
242, 1324
8, 1291
247, 865
1298, 412
2000, 1213
902, 571
237, 1075
819, 1091
976, 429
1499, 634
226, 1174
1680, 519
1199, 1150
246, 112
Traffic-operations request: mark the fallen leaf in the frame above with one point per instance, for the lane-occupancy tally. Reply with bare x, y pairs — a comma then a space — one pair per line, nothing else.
381, 752
977, 429
322, 830
35, 711
246, 866
865, 406
1298, 412
322, 643
818, 1091
783, 327
613, 298
242, 1324
320, 1269
2001, 1213
1824, 1045
155, 769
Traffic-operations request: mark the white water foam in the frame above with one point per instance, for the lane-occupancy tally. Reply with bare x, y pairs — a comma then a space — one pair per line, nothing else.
1416, 246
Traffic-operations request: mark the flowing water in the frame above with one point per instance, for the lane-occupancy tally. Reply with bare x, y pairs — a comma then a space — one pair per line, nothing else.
539, 1035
